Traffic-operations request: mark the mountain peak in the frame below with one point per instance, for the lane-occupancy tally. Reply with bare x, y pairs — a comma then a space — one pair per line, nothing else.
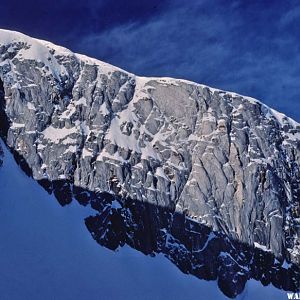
224, 160
185, 166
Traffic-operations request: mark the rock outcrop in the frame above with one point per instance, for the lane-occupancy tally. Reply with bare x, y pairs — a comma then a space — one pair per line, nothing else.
224, 161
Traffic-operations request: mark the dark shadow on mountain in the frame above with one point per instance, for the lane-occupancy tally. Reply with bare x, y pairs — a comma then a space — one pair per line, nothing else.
4, 123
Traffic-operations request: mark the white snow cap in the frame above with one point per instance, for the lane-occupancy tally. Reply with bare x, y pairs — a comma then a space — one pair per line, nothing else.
40, 50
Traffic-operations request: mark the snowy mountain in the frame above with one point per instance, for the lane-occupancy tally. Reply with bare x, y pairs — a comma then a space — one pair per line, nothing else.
209, 178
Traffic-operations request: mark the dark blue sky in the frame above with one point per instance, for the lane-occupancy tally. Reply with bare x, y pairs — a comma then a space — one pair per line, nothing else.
251, 47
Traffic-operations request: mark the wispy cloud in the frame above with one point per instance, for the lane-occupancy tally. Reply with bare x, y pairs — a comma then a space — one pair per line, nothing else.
293, 15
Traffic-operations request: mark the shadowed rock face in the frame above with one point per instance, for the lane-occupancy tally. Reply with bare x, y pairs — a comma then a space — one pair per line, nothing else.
194, 248
179, 157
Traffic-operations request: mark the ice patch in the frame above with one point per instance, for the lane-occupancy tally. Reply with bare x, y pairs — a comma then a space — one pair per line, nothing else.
17, 125
30, 106
262, 247
57, 134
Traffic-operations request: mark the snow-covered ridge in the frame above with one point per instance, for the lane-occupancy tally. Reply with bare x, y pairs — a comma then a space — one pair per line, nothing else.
39, 50
46, 52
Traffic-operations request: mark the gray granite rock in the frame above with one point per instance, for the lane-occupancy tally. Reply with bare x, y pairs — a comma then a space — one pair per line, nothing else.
225, 160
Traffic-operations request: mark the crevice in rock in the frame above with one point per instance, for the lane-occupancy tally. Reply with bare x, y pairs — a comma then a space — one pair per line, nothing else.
4, 122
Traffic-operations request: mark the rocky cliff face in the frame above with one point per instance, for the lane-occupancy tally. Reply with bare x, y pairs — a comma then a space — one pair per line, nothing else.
82, 128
